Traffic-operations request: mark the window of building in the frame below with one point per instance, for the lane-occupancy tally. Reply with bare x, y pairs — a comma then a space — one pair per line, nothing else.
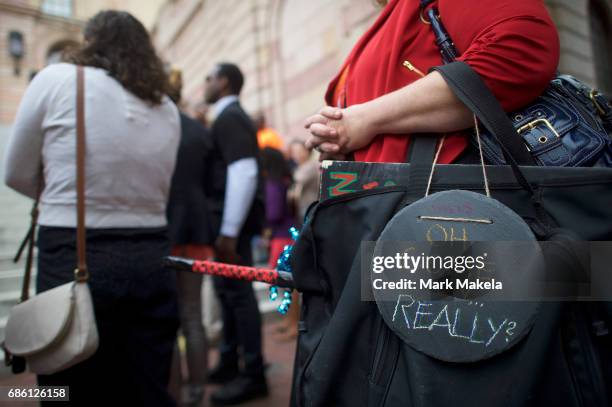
601, 36
61, 8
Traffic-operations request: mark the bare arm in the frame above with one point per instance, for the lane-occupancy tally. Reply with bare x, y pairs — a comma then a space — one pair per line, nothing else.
425, 106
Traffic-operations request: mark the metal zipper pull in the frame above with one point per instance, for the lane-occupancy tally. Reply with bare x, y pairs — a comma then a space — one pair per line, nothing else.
413, 68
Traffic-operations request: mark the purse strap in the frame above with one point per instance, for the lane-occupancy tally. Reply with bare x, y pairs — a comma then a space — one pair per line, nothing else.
28, 241
81, 273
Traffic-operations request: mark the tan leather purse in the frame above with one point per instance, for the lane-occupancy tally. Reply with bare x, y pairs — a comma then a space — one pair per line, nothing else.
57, 329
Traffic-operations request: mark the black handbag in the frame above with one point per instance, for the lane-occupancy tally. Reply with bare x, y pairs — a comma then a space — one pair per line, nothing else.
569, 125
348, 356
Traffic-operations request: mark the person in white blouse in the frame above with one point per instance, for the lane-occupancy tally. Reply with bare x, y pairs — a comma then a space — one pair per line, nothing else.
132, 136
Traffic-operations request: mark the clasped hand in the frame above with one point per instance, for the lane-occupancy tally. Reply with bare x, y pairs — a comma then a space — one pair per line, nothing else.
336, 132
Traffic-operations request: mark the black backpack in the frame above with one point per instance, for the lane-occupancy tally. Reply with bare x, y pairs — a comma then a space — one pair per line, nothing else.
348, 356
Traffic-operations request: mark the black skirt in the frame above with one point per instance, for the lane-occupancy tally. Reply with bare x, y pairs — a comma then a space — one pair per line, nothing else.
135, 302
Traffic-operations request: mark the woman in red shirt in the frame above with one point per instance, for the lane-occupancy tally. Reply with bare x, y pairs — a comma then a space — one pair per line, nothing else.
382, 94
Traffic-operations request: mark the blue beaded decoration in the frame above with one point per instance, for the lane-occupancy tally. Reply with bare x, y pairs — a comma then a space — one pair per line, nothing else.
273, 293
284, 264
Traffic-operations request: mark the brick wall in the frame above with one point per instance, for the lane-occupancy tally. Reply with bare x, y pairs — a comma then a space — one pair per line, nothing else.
571, 17
573, 21
40, 33
287, 50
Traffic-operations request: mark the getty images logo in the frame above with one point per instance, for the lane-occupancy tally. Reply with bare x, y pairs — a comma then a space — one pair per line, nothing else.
411, 263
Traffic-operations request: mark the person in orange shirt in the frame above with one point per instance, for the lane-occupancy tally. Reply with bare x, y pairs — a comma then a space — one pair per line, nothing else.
266, 136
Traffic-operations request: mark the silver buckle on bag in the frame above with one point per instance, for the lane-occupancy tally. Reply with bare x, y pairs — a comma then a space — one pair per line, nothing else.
533, 124
593, 96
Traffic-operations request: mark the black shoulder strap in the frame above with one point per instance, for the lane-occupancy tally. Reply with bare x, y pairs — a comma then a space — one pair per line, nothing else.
472, 91
421, 153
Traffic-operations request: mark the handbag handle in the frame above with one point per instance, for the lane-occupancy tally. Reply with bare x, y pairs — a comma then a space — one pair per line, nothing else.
81, 273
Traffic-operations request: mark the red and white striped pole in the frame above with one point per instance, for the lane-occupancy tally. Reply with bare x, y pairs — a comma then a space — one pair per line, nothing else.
245, 273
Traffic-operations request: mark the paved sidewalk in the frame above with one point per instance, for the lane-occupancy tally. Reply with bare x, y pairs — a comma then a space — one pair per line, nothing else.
279, 357
278, 354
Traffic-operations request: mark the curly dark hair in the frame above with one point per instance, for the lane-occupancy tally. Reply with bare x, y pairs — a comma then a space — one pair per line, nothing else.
117, 42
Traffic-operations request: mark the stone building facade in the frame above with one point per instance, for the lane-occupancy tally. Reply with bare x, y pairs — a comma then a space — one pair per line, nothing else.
46, 27
289, 49
41, 34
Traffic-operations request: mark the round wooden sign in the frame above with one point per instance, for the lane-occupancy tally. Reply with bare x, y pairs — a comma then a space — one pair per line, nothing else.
450, 264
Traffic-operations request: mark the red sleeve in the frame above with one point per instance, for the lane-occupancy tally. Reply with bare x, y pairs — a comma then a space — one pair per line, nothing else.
512, 44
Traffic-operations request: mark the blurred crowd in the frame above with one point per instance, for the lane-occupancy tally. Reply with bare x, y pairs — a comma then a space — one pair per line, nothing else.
211, 183
288, 179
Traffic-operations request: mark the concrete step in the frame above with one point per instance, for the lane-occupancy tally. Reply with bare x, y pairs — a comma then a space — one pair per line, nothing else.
3, 320
12, 280
6, 260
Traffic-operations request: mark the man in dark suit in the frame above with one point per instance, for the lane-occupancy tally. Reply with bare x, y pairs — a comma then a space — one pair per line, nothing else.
237, 207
